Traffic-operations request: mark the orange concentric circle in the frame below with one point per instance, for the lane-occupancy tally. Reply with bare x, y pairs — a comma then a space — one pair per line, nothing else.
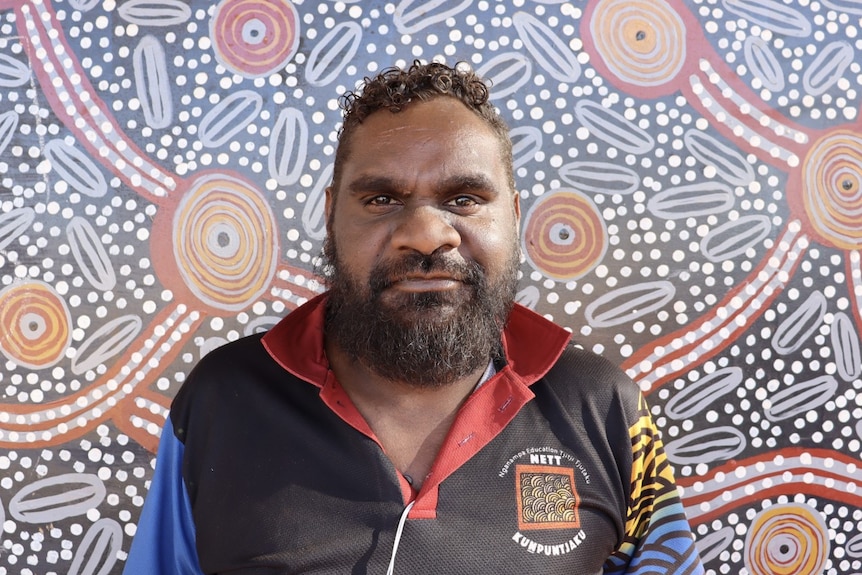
34, 325
832, 189
255, 38
788, 539
564, 235
225, 242
641, 42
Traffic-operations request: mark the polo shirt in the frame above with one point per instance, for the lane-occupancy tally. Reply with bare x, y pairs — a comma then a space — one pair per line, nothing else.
553, 465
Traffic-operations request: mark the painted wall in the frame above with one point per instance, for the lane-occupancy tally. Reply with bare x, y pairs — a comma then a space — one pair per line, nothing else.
690, 174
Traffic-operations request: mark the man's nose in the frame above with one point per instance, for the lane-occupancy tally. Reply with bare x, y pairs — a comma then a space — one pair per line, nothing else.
425, 229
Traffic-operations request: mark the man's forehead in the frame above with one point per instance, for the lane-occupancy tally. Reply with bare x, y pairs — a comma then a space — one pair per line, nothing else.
434, 112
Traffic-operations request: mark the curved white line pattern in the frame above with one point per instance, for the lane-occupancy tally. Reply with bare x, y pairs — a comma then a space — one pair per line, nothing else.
803, 472
726, 320
54, 422
91, 117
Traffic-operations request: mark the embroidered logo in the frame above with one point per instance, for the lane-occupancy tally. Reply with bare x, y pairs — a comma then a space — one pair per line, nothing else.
547, 498
547, 502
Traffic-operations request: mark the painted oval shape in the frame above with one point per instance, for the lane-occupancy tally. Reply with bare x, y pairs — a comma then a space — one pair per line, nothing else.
84, 5
613, 128
153, 83
76, 169
97, 553
801, 397
763, 63
854, 546
106, 342
155, 12
845, 347
729, 164
8, 125
414, 15
229, 117
15, 223
56, 498
334, 51
13, 72
706, 446
526, 142
694, 200
712, 544
90, 253
796, 328
528, 297
828, 67
600, 178
704, 392
314, 213
288, 146
206, 345
546, 48
629, 303
507, 73
849, 6
734, 238
771, 14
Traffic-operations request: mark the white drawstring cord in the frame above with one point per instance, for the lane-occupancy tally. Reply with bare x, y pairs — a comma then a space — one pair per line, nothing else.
401, 522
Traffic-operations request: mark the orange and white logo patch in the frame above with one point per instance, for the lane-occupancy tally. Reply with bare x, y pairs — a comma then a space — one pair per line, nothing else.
547, 498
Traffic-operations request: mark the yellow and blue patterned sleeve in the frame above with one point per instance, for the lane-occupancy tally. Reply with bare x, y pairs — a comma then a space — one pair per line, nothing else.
658, 539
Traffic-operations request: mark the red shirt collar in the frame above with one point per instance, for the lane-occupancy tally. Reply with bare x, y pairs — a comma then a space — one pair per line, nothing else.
532, 344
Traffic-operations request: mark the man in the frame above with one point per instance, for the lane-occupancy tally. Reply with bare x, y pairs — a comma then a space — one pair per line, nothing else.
413, 419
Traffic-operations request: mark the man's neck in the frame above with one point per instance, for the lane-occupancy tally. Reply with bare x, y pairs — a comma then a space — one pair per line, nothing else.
411, 422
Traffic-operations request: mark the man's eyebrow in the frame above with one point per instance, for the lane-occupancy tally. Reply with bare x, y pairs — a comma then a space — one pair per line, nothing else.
385, 184
372, 183
468, 182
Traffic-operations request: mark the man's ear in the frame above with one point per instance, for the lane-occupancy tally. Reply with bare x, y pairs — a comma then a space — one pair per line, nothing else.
516, 205
327, 206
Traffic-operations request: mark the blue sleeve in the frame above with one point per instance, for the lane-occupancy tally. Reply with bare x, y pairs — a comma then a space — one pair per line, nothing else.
164, 543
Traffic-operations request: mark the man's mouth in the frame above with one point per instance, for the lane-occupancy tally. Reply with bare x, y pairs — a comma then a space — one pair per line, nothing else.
426, 283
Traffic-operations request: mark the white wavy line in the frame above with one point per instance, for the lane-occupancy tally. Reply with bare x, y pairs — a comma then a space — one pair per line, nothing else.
102, 398
744, 106
98, 130
745, 481
713, 331
739, 129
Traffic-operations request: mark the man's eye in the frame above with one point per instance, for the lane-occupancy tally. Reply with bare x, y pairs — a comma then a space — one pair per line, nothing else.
380, 201
464, 201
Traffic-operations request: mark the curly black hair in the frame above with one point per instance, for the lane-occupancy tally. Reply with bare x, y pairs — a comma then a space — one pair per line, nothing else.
394, 89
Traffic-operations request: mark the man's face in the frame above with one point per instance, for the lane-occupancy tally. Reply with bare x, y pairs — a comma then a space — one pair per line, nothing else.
422, 244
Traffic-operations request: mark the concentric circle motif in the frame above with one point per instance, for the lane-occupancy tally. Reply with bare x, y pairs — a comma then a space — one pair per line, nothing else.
641, 42
832, 189
225, 242
34, 325
564, 235
254, 38
788, 539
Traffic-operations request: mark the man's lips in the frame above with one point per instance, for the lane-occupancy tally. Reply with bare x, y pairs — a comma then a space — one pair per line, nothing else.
425, 283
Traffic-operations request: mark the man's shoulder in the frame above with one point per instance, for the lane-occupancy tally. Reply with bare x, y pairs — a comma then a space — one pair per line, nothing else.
229, 358
587, 376
228, 366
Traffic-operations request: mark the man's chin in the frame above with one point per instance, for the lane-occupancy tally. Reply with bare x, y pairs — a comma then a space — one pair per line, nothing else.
425, 305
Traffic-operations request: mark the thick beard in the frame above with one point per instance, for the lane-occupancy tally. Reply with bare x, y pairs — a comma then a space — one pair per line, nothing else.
425, 339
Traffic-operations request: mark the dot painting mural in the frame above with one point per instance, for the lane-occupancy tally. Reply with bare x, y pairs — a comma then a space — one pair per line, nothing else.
691, 185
